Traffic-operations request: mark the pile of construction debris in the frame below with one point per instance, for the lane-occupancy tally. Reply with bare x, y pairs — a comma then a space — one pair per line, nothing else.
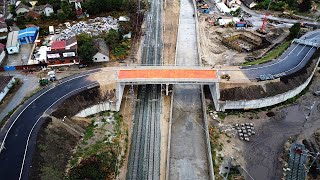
93, 27
245, 130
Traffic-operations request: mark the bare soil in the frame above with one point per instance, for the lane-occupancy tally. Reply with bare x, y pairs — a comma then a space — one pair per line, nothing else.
212, 51
164, 129
170, 24
55, 142
263, 156
126, 111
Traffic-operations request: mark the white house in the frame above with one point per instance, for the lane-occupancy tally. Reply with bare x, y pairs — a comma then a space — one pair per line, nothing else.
21, 8
6, 82
47, 9
102, 54
13, 44
233, 4
222, 7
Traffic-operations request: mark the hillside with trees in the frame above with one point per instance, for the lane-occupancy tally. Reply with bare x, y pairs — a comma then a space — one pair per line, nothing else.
281, 5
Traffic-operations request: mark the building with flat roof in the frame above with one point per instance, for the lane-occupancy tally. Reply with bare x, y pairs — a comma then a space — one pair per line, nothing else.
28, 35
13, 44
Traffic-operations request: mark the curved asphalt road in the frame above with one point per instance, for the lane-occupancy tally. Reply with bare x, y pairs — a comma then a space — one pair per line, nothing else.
291, 61
292, 21
12, 158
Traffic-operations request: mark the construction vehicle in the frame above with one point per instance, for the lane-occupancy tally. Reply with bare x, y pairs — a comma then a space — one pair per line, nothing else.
226, 76
52, 76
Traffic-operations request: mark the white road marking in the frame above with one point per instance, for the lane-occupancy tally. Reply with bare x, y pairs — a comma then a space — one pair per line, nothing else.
26, 149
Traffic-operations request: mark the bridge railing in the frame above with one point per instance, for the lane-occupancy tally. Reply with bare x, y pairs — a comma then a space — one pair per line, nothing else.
306, 42
133, 64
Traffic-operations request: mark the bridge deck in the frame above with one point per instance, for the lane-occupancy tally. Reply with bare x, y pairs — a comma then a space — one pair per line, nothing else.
167, 74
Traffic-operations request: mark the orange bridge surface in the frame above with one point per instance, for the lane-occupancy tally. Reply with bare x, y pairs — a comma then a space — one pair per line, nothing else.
169, 74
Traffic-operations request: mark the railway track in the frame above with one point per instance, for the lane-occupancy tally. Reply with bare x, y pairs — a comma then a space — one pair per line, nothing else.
144, 159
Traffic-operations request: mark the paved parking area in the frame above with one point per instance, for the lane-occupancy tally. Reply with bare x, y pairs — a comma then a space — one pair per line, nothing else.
21, 58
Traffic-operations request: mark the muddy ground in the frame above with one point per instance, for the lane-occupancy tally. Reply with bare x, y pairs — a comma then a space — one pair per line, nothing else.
262, 155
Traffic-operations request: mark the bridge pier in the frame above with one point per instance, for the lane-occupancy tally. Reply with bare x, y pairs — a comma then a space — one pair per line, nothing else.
215, 93
119, 90
167, 89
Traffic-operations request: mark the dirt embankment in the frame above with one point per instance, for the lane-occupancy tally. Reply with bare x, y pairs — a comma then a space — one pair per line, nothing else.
268, 89
59, 136
55, 142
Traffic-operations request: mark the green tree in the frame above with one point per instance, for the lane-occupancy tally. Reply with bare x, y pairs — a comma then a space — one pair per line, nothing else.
294, 30
112, 38
291, 3
305, 5
86, 50
62, 16
65, 6
12, 9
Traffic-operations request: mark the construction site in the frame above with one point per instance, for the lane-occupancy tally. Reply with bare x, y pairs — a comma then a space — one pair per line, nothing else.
231, 40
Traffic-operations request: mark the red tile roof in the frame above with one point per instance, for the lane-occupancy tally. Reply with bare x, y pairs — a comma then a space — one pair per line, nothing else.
58, 45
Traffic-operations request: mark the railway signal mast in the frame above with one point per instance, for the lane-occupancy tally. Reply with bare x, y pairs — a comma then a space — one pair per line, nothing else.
265, 17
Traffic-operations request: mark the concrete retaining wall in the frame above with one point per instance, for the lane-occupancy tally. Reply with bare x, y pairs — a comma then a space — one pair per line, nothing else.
215, 93
197, 30
264, 102
119, 92
106, 106
205, 120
